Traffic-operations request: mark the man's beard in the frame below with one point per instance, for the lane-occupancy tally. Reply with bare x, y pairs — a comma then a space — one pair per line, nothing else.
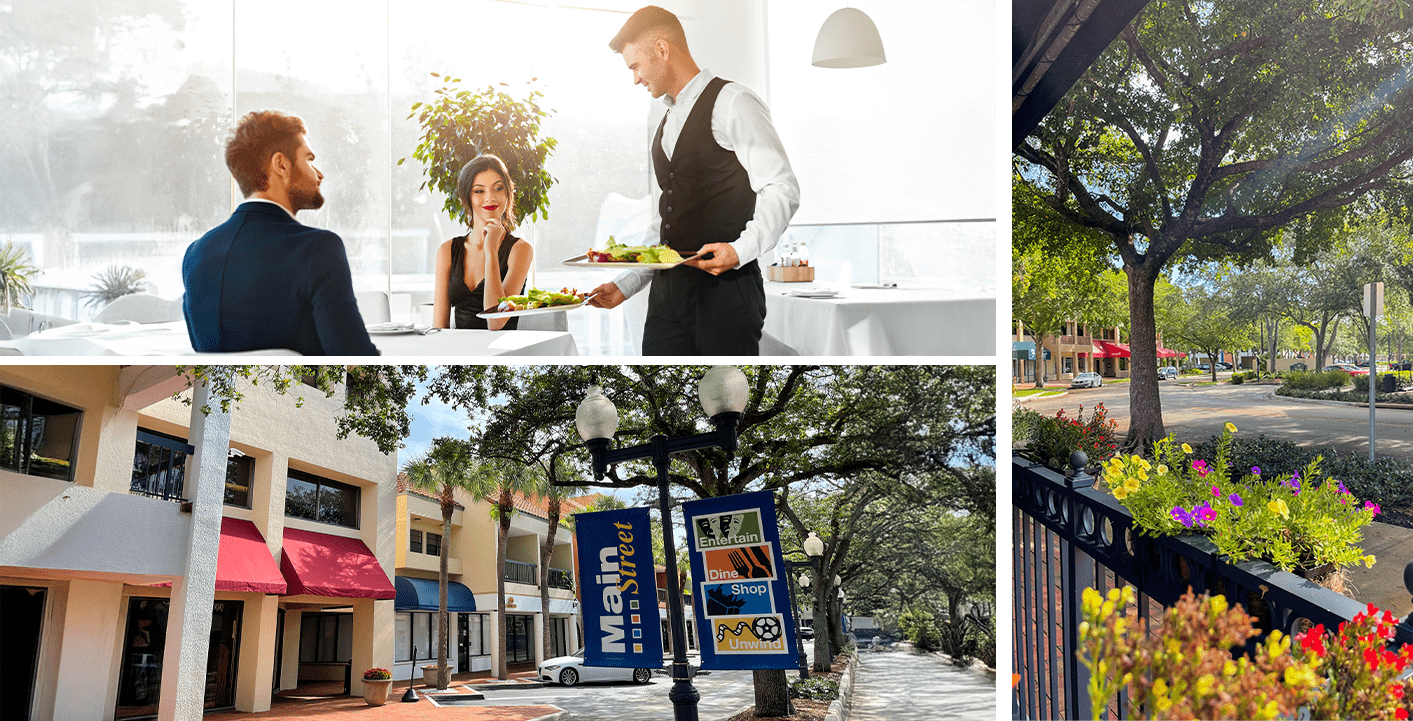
302, 200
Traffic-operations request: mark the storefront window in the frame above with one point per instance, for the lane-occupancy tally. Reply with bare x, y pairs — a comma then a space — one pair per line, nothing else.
139, 685
326, 638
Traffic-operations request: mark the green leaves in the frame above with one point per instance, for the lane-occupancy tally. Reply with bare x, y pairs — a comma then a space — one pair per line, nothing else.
460, 124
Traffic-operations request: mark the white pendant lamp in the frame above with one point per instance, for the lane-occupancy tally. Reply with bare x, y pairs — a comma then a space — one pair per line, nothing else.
848, 39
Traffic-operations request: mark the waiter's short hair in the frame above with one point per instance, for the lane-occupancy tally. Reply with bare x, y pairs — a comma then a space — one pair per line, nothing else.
651, 22
255, 139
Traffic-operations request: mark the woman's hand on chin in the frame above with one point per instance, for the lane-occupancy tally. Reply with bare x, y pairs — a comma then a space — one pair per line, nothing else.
494, 232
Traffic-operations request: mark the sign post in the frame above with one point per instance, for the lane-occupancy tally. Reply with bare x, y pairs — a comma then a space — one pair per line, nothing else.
619, 584
741, 596
1373, 308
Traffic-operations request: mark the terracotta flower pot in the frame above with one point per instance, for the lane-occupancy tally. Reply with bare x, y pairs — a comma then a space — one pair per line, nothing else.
376, 692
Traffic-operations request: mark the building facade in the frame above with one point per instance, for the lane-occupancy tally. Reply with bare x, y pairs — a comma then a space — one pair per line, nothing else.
471, 589
1076, 349
158, 561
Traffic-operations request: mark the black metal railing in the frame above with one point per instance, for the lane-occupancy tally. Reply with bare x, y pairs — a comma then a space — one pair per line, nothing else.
560, 578
521, 572
1067, 536
159, 466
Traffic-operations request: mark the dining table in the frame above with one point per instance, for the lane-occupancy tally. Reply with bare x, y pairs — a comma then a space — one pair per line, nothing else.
171, 339
880, 321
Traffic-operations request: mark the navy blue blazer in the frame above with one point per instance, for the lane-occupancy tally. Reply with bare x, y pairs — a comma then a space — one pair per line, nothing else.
264, 280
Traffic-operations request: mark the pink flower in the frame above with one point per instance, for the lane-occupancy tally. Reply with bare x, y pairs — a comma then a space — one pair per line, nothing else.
1201, 467
1371, 506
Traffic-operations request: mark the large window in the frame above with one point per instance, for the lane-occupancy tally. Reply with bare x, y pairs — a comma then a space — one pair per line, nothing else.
415, 541
434, 544
240, 469
159, 465
313, 498
416, 636
326, 638
38, 437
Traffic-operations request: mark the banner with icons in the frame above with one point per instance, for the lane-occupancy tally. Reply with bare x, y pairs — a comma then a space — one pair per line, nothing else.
740, 594
619, 585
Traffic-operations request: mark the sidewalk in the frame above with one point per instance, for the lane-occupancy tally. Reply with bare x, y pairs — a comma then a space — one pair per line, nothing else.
1382, 585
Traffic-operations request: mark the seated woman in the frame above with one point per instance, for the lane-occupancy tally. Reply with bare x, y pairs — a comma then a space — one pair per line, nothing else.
476, 270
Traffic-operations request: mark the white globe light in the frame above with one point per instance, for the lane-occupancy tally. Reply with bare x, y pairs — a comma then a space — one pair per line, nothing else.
596, 416
723, 389
814, 547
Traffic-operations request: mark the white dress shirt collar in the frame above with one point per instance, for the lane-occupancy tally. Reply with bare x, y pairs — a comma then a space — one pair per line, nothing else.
690, 91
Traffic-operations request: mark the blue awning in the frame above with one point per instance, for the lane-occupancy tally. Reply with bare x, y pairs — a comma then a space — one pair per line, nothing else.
420, 594
1023, 350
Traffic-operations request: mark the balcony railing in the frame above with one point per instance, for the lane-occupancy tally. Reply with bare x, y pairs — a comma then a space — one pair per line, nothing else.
159, 466
1068, 536
559, 578
1066, 340
519, 572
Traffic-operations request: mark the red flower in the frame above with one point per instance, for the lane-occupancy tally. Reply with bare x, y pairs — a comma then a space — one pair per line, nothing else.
1401, 714
1396, 690
1371, 657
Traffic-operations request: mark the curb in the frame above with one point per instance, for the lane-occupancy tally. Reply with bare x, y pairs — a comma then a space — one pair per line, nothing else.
556, 716
1353, 404
839, 710
1037, 397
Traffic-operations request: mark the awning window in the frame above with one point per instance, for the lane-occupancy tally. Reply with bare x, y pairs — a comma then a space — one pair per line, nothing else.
319, 564
420, 594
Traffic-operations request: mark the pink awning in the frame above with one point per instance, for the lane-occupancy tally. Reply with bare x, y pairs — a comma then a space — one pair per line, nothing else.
243, 561
319, 564
1109, 349
1169, 353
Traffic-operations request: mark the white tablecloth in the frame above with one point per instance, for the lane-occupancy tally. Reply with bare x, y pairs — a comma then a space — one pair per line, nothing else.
877, 322
170, 339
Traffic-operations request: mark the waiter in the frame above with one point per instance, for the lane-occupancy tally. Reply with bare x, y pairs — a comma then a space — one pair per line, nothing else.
724, 188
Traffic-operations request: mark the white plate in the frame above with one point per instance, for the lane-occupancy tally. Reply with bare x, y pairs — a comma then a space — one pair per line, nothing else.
391, 329
494, 314
582, 261
821, 293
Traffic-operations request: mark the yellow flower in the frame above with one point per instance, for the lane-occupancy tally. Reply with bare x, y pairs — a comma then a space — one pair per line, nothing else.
1219, 604
1131, 485
1186, 449
1121, 492
1142, 474
1369, 561
1228, 669
1230, 428
1144, 462
1205, 684
1279, 508
1084, 633
1160, 687
1090, 601
1300, 676
1162, 469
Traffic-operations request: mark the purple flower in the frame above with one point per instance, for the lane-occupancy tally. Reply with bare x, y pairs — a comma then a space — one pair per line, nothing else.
1342, 489
1295, 476
1370, 505
1255, 470
1181, 515
1293, 483
1235, 500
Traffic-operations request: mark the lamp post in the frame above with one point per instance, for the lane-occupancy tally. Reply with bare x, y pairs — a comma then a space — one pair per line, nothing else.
814, 548
723, 392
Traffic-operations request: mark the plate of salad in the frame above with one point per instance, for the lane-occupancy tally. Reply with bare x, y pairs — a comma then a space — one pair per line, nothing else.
617, 255
536, 301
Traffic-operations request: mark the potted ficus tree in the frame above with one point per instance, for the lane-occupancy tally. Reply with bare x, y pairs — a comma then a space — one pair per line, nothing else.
460, 124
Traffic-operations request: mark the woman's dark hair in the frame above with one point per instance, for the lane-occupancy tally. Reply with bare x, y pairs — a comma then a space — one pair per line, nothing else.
479, 164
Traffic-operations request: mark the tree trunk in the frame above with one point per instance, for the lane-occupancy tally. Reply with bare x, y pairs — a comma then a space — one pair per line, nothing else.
546, 552
500, 591
1145, 409
772, 694
836, 628
443, 624
822, 657
1039, 360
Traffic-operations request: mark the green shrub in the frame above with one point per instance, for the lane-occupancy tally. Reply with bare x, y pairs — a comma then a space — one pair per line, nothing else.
814, 689
1238, 379
1024, 424
1384, 481
1316, 380
920, 626
1058, 437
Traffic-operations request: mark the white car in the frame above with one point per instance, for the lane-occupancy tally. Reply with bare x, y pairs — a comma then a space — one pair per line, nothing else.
571, 671
1087, 380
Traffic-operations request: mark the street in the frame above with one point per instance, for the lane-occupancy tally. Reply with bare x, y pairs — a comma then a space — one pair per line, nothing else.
723, 693
901, 684
1194, 414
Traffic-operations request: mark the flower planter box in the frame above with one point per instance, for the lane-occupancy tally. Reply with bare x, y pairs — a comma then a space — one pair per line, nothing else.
375, 692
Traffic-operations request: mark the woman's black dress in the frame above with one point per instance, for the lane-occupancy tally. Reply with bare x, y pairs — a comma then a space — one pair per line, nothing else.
467, 302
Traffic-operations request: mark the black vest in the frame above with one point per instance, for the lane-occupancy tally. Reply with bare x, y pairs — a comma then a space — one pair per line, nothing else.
706, 193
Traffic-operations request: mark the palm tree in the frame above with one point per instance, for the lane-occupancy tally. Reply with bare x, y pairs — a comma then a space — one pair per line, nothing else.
554, 497
497, 482
445, 467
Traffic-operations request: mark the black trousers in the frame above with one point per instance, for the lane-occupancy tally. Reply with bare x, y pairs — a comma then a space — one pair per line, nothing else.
692, 312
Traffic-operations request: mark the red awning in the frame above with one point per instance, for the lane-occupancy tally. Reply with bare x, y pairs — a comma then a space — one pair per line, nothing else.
319, 564
243, 562
1169, 353
1109, 349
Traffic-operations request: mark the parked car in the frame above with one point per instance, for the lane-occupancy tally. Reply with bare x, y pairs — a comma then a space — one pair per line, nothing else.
807, 632
1167, 373
1204, 367
1403, 366
571, 671
1223, 366
1349, 368
1087, 380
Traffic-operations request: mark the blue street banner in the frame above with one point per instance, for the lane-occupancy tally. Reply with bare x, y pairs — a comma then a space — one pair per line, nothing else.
742, 602
619, 586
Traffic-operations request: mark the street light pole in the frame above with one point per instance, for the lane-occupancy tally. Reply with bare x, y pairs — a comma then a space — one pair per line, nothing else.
723, 392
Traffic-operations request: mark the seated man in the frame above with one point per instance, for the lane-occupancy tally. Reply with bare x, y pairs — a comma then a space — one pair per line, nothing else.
262, 279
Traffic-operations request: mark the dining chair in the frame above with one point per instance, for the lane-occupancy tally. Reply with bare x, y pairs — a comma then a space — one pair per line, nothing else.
6, 350
5, 331
141, 307
373, 306
770, 345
